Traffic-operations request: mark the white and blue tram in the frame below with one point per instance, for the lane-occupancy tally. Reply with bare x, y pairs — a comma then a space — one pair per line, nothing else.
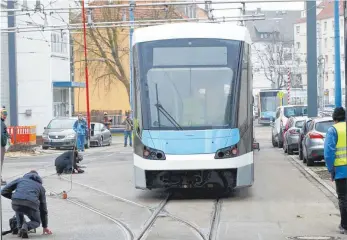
193, 106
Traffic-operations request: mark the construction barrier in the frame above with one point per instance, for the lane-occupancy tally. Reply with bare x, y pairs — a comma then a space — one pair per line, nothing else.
22, 134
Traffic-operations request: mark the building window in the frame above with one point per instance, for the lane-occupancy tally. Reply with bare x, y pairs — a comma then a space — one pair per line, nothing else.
261, 35
59, 42
342, 57
25, 4
326, 60
333, 25
325, 42
298, 45
326, 77
325, 26
297, 29
342, 75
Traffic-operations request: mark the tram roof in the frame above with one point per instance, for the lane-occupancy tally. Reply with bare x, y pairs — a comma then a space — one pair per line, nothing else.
227, 31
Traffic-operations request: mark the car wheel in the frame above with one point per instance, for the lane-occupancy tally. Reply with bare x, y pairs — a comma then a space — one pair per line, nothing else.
289, 150
285, 148
109, 141
44, 148
310, 162
274, 143
301, 157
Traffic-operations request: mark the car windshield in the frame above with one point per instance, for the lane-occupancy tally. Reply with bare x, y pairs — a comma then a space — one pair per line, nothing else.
299, 124
295, 111
323, 126
61, 123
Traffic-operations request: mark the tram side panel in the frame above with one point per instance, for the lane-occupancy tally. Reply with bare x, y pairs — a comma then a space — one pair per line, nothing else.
245, 174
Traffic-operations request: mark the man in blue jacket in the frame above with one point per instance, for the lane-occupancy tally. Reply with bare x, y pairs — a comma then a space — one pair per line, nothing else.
28, 198
335, 156
80, 127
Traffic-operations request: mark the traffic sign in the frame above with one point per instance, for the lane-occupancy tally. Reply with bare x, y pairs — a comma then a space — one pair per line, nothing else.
280, 94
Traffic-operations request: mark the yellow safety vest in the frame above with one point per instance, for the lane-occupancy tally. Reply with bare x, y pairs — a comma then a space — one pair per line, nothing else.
341, 145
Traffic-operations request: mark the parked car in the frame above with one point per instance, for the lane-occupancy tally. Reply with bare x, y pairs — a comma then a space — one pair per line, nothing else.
303, 132
313, 142
283, 113
100, 135
59, 133
292, 134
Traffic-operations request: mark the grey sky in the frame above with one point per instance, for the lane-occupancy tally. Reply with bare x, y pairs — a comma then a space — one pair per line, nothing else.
250, 6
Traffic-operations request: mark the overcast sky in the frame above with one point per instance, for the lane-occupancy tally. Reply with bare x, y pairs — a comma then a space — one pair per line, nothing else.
253, 6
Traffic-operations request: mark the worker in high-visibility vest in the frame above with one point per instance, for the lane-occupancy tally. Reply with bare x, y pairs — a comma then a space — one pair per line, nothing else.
335, 156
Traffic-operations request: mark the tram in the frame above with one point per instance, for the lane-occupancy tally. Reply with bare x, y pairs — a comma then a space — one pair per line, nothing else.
193, 106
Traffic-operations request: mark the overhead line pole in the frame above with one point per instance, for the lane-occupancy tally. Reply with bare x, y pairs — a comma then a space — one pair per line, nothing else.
132, 19
86, 62
338, 90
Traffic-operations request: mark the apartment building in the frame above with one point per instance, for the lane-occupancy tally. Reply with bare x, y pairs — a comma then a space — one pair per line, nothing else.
273, 49
325, 49
38, 64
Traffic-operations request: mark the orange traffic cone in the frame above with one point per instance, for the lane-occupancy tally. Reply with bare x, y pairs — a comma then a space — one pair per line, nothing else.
64, 195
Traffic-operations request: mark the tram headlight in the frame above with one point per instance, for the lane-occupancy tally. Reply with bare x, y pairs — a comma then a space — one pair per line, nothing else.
228, 152
153, 154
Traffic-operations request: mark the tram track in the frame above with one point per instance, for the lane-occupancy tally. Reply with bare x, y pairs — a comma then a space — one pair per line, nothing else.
160, 211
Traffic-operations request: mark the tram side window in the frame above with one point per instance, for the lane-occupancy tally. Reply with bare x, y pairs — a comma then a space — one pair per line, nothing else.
137, 98
243, 111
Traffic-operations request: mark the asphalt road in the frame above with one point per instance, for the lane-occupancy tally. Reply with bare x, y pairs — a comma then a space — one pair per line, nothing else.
103, 204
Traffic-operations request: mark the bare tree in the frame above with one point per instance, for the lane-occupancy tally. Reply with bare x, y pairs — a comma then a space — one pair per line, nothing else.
108, 48
274, 58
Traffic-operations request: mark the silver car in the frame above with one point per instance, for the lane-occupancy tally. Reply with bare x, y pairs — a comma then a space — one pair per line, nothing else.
100, 135
313, 142
292, 134
59, 133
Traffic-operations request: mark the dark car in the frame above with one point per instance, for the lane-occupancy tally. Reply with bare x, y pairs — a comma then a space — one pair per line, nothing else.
313, 142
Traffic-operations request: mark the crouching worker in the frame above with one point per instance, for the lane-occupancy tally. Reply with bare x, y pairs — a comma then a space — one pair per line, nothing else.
67, 162
28, 198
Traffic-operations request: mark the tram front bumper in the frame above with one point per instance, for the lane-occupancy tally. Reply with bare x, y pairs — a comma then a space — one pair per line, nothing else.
191, 170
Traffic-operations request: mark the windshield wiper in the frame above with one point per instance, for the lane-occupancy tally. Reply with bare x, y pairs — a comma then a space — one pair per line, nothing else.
168, 116
161, 109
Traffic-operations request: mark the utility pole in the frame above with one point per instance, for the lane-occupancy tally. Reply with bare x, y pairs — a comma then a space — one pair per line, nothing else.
338, 97
12, 63
311, 59
86, 62
132, 19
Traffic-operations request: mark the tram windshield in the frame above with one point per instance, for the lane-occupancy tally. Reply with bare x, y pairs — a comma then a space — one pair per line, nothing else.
189, 83
193, 97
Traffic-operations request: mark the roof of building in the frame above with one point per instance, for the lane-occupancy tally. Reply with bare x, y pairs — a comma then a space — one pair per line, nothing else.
275, 21
327, 11
192, 30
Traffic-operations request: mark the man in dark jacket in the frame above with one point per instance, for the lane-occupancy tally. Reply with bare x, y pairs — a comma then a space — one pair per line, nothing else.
4, 138
28, 198
67, 162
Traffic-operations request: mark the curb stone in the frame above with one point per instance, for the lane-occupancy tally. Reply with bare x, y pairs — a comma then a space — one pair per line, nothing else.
314, 175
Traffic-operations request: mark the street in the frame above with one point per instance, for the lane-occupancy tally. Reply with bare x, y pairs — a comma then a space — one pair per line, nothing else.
284, 202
